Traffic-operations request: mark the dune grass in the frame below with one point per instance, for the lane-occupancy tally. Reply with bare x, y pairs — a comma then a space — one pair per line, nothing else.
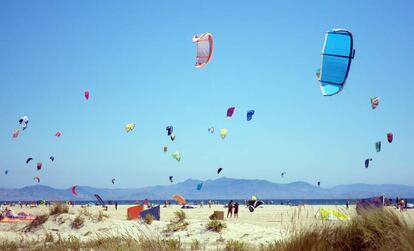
59, 208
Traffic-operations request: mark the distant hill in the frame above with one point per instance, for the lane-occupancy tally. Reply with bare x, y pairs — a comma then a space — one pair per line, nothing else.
223, 188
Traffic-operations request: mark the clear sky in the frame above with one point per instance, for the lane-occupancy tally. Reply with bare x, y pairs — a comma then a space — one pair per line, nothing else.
137, 60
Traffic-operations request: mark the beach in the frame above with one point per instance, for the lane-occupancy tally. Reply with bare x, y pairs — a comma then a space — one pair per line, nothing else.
265, 224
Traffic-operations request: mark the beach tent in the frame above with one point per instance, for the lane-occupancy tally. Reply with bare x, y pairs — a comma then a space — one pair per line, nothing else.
154, 211
134, 212
330, 214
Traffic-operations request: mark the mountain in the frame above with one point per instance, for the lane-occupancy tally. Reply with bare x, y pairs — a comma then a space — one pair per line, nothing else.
223, 188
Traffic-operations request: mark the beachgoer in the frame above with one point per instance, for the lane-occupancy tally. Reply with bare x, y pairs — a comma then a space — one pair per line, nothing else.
202, 203
230, 209
165, 203
402, 203
116, 205
347, 204
236, 210
209, 203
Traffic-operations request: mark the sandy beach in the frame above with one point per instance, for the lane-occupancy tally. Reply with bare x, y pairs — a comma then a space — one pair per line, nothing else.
266, 224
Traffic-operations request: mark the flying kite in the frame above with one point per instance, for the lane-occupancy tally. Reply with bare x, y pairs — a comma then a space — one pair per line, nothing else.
28, 160
375, 102
211, 129
39, 165
205, 47
15, 133
390, 137
199, 186
230, 111
367, 162
6, 172
24, 121
172, 137
37, 179
319, 183
219, 170
180, 199
58, 134
171, 179
283, 174
165, 149
129, 127
169, 130
113, 181
177, 156
378, 146
337, 54
250, 115
86, 95
223, 133
52, 158
74, 191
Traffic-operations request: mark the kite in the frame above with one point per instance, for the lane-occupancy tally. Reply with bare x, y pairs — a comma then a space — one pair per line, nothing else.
199, 186
74, 191
28, 160
219, 170
337, 54
223, 133
172, 137
180, 199
86, 95
24, 121
52, 158
169, 130
230, 111
205, 47
319, 183
165, 149
37, 179
367, 162
176, 156
39, 165
6, 172
113, 181
250, 115
375, 102
318, 74
15, 133
283, 174
378, 146
390, 137
58, 134
171, 179
211, 129
129, 127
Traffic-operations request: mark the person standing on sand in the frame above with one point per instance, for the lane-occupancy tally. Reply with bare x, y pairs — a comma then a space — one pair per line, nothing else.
230, 209
209, 203
116, 205
347, 204
236, 210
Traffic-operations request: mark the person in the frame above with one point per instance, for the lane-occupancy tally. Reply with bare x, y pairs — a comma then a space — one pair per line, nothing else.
236, 210
402, 203
347, 204
209, 203
230, 209
165, 203
202, 204
116, 205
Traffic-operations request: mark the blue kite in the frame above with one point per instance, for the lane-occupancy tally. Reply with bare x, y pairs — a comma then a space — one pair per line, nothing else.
199, 186
250, 115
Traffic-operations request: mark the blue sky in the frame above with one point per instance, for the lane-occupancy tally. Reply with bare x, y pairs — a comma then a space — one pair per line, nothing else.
137, 60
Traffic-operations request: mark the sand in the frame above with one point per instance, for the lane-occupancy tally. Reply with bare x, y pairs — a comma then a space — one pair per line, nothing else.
266, 224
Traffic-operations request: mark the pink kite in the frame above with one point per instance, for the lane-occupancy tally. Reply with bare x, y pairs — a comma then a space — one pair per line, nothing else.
205, 49
230, 112
87, 95
39, 165
57, 134
74, 191
15, 133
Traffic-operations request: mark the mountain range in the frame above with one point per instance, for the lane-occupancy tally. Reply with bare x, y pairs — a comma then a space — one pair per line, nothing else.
223, 188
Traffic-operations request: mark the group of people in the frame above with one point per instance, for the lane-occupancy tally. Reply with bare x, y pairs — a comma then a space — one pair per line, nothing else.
402, 204
233, 209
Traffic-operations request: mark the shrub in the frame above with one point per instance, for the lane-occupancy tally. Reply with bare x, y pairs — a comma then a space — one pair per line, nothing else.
234, 245
195, 245
59, 208
78, 222
38, 221
216, 226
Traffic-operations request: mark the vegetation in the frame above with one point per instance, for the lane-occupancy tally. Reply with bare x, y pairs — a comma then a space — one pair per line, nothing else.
195, 245
178, 223
149, 219
59, 208
38, 221
78, 222
216, 226
234, 245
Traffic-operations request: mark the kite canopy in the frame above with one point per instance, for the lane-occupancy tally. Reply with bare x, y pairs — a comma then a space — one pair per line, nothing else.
37, 179
375, 102
330, 214
254, 197
223, 133
199, 186
230, 111
6, 172
219, 170
172, 137
28, 160
58, 134
165, 149
171, 179
180, 199
74, 191
177, 156
378, 146
319, 183
283, 174
113, 181
86, 95
24, 121
205, 47
39, 165
211, 129
250, 115
367, 162
337, 54
169, 129
52, 158
390, 137
15, 133
129, 127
